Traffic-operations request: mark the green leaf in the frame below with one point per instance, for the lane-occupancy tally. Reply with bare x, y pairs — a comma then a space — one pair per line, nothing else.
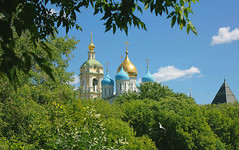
181, 26
27, 63
171, 14
12, 76
173, 21
58, 23
188, 28
43, 65
114, 28
146, 6
46, 49
67, 28
96, 11
18, 26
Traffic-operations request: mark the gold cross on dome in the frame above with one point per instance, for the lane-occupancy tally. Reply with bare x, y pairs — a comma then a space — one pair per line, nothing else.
126, 45
121, 57
91, 36
147, 60
107, 66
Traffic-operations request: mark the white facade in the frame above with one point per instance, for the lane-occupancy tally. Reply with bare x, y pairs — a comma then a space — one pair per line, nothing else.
107, 91
123, 86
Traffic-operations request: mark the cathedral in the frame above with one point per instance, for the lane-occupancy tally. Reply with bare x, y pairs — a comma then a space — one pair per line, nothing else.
94, 84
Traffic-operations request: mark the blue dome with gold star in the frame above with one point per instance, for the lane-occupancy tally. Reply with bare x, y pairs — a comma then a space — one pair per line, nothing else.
107, 80
122, 75
148, 77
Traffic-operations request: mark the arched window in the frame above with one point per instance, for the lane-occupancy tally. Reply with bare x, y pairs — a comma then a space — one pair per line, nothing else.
95, 83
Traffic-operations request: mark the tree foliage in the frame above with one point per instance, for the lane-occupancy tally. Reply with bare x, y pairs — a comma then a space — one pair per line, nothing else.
187, 125
34, 16
223, 120
44, 114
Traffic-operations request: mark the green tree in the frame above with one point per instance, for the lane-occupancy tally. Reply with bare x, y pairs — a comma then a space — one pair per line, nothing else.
28, 115
151, 90
118, 133
34, 16
184, 122
224, 122
44, 114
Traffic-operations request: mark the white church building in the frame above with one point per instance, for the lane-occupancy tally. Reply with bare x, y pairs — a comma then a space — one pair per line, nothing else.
94, 84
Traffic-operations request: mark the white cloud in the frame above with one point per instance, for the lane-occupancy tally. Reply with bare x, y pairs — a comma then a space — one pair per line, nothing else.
76, 80
171, 73
225, 36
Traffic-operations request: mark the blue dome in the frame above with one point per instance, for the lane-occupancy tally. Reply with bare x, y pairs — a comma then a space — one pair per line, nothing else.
122, 75
148, 77
137, 84
107, 80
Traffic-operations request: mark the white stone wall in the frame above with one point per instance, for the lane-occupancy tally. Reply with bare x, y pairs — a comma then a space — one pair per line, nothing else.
107, 91
122, 86
132, 85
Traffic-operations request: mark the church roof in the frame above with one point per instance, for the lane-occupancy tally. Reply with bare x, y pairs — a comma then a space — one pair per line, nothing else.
92, 62
122, 75
224, 95
107, 80
148, 77
128, 66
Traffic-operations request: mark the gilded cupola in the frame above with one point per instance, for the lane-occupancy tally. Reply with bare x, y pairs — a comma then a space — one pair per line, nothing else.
128, 66
91, 47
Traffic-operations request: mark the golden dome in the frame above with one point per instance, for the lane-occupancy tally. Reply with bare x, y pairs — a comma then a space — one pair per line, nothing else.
91, 46
128, 67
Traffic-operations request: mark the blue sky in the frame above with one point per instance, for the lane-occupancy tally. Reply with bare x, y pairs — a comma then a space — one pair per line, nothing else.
178, 60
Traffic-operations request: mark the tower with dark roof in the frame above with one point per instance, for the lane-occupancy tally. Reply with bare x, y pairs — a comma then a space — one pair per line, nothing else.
224, 95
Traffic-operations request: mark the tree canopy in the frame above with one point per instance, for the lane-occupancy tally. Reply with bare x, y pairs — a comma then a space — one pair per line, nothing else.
185, 124
44, 114
34, 16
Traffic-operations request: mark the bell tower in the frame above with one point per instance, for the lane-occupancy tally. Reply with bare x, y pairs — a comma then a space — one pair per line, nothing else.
91, 75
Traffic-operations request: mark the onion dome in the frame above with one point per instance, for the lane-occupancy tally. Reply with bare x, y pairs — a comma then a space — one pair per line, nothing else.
107, 80
122, 75
128, 67
91, 46
148, 77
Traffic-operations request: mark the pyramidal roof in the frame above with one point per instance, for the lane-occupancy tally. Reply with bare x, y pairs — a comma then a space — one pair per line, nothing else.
224, 95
